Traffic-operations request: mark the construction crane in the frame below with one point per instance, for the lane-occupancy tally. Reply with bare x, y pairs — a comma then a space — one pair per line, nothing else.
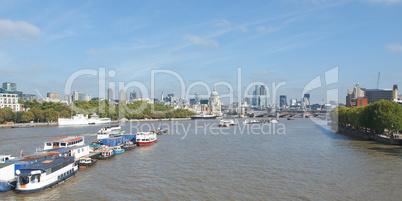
378, 80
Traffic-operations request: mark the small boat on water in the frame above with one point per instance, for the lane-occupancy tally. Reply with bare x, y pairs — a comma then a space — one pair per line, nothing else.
203, 116
45, 174
274, 121
160, 131
106, 154
227, 123
86, 162
129, 146
23, 126
256, 121
145, 138
64, 142
118, 150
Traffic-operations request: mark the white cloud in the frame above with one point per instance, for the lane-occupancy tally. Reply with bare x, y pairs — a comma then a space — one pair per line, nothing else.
223, 23
19, 29
242, 28
93, 51
200, 41
394, 47
266, 30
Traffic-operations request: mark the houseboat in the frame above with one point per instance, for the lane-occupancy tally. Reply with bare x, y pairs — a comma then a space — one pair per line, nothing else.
64, 142
45, 174
8, 179
145, 138
76, 151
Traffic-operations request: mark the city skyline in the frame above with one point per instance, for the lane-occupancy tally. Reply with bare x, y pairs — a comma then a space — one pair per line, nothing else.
43, 43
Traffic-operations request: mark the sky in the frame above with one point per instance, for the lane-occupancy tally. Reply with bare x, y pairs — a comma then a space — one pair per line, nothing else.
190, 46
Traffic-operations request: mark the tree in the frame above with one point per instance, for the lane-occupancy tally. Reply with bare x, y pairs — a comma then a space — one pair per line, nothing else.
27, 117
51, 114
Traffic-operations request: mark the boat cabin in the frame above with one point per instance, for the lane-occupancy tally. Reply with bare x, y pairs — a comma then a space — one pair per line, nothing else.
4, 158
64, 142
76, 151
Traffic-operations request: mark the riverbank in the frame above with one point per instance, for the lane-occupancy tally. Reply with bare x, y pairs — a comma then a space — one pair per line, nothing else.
394, 139
28, 125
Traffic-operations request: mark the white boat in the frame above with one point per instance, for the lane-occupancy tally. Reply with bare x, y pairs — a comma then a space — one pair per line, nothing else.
227, 123
45, 174
256, 121
274, 121
64, 142
145, 138
81, 119
109, 131
203, 116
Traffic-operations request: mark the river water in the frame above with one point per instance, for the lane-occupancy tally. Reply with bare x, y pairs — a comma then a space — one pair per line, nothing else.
292, 160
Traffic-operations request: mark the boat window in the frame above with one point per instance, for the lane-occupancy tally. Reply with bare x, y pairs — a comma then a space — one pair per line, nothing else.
63, 144
23, 180
48, 144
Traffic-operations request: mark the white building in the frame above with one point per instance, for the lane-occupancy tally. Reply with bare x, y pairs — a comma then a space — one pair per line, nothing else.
215, 103
10, 100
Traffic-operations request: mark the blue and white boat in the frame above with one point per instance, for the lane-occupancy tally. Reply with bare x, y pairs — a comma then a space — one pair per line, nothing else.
45, 174
118, 149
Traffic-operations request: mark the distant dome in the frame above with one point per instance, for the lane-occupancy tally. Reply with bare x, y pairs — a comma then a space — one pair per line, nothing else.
214, 93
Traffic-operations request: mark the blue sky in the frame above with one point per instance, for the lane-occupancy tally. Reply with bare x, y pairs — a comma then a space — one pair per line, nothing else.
42, 43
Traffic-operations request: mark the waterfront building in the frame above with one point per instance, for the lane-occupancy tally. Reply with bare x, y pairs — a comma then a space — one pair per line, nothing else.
358, 96
357, 92
374, 95
10, 100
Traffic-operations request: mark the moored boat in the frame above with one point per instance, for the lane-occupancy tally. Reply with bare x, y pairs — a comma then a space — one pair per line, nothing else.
86, 162
81, 119
45, 174
145, 138
64, 142
106, 154
109, 131
129, 146
203, 116
118, 150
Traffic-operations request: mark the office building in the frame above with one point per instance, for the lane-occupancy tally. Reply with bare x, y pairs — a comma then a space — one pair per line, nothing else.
282, 101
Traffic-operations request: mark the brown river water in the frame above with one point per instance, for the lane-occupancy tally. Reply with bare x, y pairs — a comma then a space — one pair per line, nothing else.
292, 160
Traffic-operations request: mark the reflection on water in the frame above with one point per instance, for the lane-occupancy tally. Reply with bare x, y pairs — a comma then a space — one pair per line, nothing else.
308, 162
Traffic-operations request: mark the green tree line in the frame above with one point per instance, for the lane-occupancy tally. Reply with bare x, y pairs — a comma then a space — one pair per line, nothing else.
51, 111
376, 116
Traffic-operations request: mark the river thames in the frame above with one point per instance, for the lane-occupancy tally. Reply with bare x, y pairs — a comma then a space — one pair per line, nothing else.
295, 160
